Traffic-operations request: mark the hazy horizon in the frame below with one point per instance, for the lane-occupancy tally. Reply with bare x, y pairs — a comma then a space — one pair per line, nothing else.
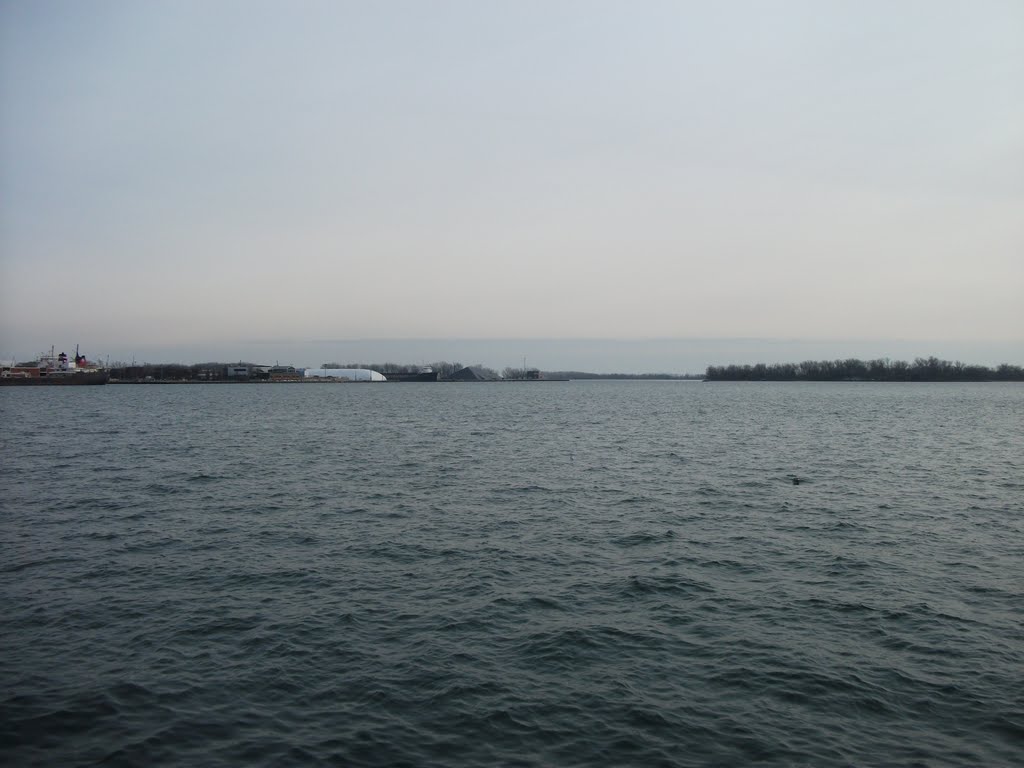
195, 176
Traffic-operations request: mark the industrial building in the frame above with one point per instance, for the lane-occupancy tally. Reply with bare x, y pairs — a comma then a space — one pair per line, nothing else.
352, 374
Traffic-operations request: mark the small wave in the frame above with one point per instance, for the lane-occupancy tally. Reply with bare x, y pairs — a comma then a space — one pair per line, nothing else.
161, 489
18, 567
670, 585
640, 539
633, 500
567, 645
151, 545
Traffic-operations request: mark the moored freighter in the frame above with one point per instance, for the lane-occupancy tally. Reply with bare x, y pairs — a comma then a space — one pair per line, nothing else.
50, 370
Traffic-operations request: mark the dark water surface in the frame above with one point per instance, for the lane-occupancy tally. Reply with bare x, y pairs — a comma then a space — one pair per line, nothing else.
582, 573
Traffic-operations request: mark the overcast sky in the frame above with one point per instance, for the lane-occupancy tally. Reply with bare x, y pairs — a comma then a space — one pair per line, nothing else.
209, 176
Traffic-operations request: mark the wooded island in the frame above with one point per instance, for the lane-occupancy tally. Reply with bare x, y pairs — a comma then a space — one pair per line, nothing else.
922, 369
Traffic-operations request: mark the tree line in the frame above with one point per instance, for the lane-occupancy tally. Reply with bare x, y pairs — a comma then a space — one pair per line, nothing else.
921, 369
622, 376
218, 371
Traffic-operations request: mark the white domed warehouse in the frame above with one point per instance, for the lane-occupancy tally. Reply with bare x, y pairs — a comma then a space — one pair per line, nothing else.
352, 374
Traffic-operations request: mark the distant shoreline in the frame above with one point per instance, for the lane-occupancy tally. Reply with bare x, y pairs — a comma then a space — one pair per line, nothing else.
323, 380
931, 370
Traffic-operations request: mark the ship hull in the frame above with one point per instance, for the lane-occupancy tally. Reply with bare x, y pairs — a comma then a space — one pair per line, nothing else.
57, 380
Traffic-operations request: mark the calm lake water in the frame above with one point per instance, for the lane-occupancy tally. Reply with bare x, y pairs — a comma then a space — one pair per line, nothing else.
583, 573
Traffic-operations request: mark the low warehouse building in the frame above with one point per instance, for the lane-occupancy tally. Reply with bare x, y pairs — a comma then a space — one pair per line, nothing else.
352, 374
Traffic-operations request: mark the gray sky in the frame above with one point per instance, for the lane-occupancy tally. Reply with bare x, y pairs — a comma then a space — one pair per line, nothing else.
205, 178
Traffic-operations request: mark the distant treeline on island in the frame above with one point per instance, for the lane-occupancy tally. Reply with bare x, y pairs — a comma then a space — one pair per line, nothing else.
623, 376
922, 369
446, 369
224, 371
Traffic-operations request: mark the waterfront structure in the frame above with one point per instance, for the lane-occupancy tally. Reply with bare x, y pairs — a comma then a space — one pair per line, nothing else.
53, 369
352, 374
425, 373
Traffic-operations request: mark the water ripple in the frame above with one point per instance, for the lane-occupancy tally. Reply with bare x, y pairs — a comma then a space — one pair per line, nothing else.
588, 574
